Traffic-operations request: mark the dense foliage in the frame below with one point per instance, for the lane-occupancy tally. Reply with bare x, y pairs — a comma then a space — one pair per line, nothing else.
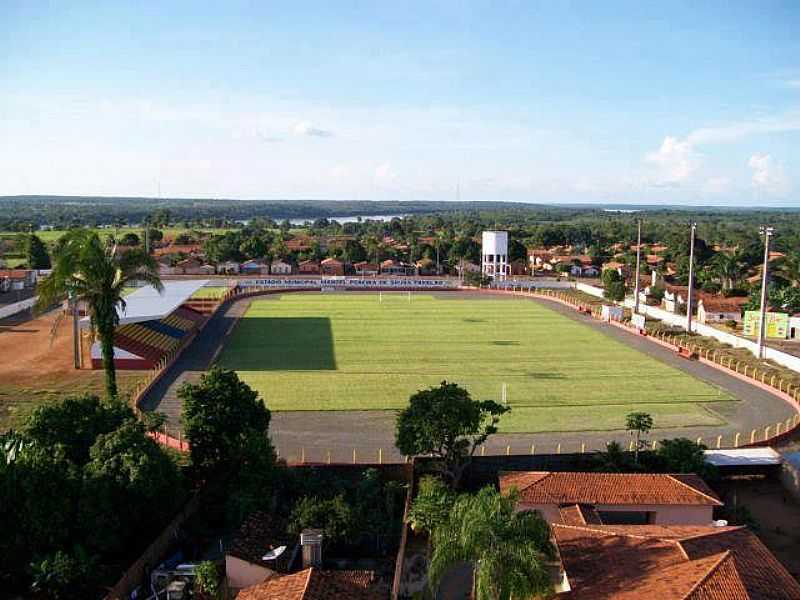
64, 480
224, 421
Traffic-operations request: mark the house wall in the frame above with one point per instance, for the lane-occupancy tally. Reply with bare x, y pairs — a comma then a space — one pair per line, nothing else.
242, 573
665, 514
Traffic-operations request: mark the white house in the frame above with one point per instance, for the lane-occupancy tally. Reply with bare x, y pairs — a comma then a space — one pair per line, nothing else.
279, 267
230, 267
720, 310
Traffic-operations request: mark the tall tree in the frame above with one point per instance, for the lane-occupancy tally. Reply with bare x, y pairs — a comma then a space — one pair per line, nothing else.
788, 268
447, 423
88, 269
728, 268
509, 549
36, 253
638, 424
220, 416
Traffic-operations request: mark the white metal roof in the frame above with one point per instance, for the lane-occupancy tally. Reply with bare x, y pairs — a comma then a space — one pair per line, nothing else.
740, 457
146, 304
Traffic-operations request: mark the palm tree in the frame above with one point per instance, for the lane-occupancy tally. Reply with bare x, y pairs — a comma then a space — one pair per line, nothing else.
89, 270
508, 549
728, 268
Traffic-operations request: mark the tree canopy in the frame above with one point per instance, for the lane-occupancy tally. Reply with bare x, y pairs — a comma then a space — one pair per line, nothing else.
447, 423
220, 416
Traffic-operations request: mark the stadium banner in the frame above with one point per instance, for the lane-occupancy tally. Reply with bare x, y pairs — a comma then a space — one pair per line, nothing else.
638, 321
349, 283
777, 324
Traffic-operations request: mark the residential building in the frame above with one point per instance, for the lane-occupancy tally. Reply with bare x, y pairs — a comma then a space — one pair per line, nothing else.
229, 267
332, 266
395, 267
308, 267
280, 267
316, 584
618, 498
255, 267
261, 535
720, 309
194, 266
20, 278
606, 562
365, 268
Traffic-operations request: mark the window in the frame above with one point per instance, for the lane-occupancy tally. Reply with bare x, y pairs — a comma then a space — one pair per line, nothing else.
627, 517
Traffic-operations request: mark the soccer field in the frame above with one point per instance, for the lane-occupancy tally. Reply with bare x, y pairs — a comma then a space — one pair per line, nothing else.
350, 351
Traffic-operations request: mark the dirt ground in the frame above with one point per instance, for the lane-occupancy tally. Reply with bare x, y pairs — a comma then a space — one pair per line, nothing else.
776, 515
36, 367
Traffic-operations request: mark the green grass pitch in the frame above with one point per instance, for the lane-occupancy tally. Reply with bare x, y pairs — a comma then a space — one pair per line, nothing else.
350, 351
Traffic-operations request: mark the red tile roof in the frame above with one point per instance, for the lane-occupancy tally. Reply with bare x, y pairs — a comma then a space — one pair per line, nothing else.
670, 563
723, 305
314, 584
609, 488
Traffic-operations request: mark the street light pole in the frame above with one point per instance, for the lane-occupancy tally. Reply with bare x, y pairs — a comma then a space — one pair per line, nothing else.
762, 326
690, 295
638, 263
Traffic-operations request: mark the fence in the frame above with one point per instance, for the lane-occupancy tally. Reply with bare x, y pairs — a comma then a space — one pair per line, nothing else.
152, 556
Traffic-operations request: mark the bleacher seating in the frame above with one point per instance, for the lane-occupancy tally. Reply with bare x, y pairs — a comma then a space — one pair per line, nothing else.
152, 340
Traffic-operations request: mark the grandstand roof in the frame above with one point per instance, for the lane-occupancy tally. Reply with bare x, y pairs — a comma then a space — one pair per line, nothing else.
146, 304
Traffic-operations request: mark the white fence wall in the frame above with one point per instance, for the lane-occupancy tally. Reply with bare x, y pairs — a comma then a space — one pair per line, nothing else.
17, 307
589, 289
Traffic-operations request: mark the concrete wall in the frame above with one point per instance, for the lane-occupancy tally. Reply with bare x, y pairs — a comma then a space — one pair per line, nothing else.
242, 574
17, 307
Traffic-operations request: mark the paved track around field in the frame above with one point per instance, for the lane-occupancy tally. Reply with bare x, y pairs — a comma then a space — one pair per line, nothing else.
319, 436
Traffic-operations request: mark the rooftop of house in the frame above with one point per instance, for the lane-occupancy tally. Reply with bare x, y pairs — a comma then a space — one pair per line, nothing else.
722, 304
606, 562
260, 533
178, 249
316, 584
580, 514
542, 487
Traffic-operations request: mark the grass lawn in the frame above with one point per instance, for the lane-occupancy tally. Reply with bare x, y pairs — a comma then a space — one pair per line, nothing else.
347, 352
170, 232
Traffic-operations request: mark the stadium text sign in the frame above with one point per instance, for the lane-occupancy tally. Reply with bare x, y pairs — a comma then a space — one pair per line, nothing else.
348, 283
777, 324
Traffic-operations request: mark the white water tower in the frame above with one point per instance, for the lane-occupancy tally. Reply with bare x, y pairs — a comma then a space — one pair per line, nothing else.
494, 254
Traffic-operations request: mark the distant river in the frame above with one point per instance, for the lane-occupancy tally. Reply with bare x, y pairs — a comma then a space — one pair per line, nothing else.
347, 219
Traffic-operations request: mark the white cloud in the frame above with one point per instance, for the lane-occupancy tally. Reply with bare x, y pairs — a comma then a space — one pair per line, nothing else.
675, 160
384, 172
307, 128
338, 171
717, 185
735, 131
768, 175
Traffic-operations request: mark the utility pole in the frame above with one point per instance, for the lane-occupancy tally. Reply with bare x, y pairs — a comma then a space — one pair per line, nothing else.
689, 299
638, 266
73, 303
762, 326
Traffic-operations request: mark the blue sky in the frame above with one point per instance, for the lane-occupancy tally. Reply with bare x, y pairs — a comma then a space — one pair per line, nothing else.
647, 103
